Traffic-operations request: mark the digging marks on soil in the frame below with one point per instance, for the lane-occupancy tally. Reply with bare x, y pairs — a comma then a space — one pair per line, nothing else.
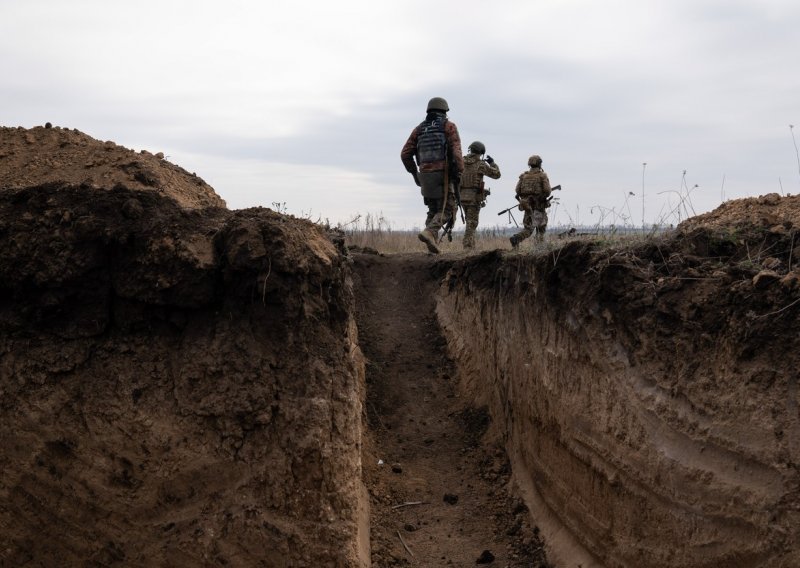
438, 496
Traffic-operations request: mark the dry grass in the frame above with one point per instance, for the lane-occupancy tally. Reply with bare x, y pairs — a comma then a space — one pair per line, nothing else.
375, 232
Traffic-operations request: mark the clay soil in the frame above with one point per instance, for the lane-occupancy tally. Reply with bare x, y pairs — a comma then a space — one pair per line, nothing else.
440, 490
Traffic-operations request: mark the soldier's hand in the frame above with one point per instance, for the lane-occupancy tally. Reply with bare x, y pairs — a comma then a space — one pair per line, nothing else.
489, 160
415, 175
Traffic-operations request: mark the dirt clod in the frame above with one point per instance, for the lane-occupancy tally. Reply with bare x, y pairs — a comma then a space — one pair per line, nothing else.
450, 498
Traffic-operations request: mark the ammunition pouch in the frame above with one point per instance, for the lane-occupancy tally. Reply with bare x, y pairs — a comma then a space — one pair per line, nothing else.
432, 184
470, 195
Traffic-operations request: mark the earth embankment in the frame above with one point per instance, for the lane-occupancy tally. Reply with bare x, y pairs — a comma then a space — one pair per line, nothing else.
647, 394
178, 387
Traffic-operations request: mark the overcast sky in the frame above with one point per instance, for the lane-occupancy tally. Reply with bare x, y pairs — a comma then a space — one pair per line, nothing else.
308, 103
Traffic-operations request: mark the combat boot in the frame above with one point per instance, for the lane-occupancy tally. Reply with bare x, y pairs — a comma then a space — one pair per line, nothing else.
427, 237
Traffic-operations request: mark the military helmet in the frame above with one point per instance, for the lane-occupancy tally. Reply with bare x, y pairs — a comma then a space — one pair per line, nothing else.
477, 147
438, 103
535, 161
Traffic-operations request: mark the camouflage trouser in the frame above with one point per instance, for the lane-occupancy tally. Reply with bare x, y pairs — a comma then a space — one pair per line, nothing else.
439, 213
472, 210
535, 219
437, 216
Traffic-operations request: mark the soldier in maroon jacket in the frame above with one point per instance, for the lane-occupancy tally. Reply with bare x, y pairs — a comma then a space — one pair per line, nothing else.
436, 147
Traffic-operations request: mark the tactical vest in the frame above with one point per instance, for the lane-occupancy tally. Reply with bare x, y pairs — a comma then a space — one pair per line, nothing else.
431, 141
471, 178
533, 188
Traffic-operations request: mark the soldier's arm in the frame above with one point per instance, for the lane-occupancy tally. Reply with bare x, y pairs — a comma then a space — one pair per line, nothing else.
409, 151
490, 170
518, 188
546, 185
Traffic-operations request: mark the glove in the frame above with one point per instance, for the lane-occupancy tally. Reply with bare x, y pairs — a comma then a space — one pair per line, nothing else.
489, 160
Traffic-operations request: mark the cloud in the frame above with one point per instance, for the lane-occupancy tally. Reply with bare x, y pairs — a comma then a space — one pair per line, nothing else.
321, 193
243, 92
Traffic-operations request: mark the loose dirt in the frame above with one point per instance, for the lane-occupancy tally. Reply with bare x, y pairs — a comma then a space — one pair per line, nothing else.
439, 491
40, 155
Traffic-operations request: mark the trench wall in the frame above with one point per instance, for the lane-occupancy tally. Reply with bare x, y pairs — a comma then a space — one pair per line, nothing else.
176, 388
644, 430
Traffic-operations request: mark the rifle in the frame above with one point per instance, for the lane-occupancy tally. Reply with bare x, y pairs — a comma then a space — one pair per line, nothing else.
509, 209
556, 188
448, 228
550, 198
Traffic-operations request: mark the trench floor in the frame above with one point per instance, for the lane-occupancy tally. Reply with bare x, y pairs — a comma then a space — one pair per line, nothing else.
440, 491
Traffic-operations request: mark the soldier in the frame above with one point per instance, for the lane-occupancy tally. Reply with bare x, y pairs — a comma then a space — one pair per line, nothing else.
436, 147
533, 189
473, 194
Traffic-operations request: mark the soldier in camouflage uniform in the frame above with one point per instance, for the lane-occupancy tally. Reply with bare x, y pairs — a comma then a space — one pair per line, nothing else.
533, 189
473, 193
432, 154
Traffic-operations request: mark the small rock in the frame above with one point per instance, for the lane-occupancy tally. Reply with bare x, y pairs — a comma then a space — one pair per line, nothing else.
450, 499
132, 209
486, 557
160, 155
396, 468
764, 279
48, 125
769, 199
791, 280
409, 527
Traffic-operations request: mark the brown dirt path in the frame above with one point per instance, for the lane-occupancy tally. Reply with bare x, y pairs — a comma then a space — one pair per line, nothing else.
424, 443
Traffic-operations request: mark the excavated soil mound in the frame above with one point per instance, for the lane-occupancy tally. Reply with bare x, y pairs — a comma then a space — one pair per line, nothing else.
767, 211
30, 157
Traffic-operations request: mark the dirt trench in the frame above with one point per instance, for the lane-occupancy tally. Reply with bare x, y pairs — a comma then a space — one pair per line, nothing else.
183, 385
440, 492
